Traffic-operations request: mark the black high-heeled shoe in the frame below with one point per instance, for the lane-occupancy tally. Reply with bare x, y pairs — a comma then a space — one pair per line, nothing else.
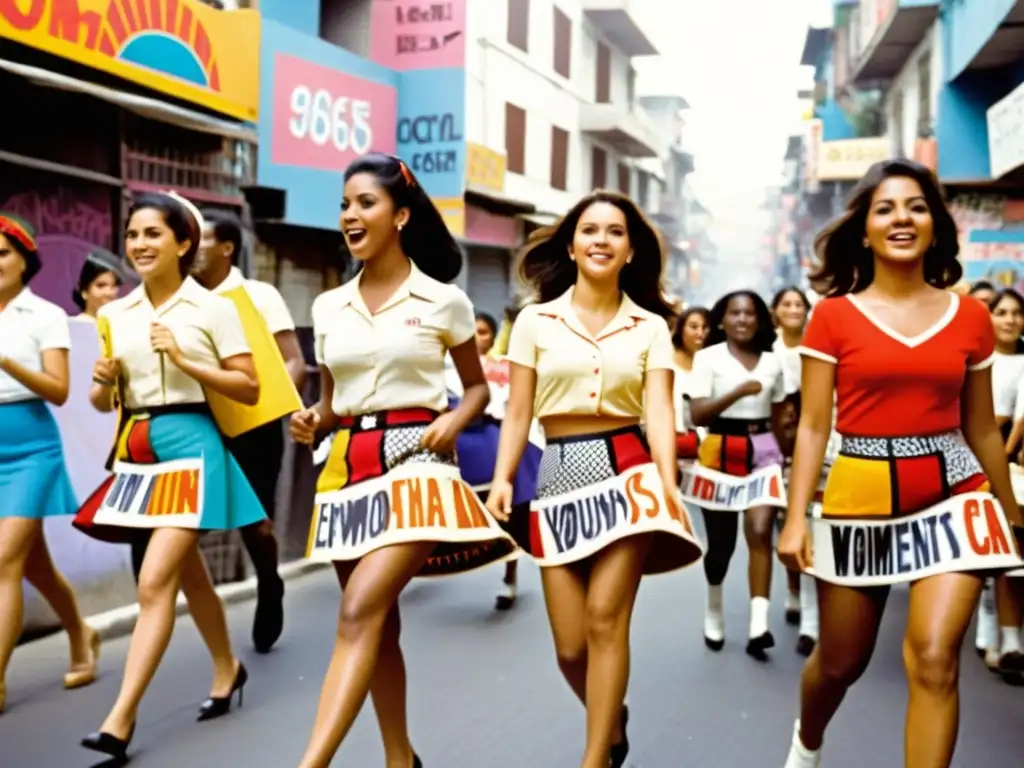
108, 744
218, 706
620, 751
416, 763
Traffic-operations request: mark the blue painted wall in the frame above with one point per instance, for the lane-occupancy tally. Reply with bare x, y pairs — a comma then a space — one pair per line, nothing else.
962, 126
431, 128
966, 26
313, 196
835, 125
300, 15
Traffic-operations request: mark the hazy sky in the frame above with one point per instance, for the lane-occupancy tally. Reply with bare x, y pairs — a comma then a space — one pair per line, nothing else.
737, 63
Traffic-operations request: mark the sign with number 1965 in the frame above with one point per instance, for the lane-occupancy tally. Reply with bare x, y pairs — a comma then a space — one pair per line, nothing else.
325, 119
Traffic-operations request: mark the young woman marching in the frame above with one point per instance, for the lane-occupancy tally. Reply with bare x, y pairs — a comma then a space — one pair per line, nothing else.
737, 391
34, 484
167, 343
589, 360
688, 338
999, 614
381, 341
909, 362
98, 283
477, 446
790, 309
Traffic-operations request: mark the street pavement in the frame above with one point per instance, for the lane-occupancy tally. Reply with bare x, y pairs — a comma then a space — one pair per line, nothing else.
485, 691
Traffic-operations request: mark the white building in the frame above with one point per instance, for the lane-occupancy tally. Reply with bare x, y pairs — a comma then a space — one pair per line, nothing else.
551, 83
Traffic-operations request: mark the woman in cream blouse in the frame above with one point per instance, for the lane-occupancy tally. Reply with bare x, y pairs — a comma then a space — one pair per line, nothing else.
381, 340
166, 343
591, 359
34, 484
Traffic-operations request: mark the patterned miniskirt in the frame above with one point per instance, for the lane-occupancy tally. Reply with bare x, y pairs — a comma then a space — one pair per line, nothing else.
876, 477
739, 446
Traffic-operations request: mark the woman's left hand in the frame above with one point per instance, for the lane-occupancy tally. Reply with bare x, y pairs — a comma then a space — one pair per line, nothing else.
676, 508
440, 435
162, 339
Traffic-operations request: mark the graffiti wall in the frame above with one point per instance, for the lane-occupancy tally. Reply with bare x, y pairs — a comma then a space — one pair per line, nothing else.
71, 218
991, 238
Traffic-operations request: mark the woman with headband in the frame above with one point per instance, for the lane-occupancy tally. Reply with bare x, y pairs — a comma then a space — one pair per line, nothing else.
98, 283
34, 344
390, 502
168, 344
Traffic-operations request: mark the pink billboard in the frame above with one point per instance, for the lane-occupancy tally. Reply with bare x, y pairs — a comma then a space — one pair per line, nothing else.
413, 34
324, 118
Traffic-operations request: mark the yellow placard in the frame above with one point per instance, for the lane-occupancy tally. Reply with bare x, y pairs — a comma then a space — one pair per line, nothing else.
183, 48
453, 211
278, 396
485, 167
107, 350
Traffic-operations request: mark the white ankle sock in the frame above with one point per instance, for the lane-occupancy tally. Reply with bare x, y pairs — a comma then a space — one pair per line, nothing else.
1009, 640
799, 755
714, 619
759, 616
808, 606
792, 601
988, 624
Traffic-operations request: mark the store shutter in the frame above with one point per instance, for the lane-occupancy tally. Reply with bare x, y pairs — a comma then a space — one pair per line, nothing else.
488, 282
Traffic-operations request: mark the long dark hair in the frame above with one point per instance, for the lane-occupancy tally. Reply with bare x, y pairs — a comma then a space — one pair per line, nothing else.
677, 330
179, 219
846, 266
426, 239
1009, 293
545, 265
765, 336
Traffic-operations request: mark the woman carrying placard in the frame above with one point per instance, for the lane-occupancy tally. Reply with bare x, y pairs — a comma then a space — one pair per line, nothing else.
402, 508
737, 391
166, 344
591, 359
909, 362
34, 483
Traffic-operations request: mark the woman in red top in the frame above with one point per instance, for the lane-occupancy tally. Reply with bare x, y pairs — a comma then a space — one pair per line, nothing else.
909, 361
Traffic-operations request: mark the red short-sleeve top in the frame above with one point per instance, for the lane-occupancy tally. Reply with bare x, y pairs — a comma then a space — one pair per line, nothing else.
888, 385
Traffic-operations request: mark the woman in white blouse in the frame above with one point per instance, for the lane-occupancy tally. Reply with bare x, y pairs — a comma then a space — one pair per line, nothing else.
790, 310
737, 391
34, 483
687, 339
166, 344
98, 284
998, 636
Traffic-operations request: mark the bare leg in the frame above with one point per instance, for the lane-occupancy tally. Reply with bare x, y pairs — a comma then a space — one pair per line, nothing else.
208, 613
611, 594
941, 608
565, 596
158, 587
850, 619
17, 535
372, 590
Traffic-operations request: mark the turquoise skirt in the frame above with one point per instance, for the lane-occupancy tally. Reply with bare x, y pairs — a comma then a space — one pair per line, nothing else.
229, 501
34, 481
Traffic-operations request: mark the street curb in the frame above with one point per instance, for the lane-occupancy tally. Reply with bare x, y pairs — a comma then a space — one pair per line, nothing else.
121, 621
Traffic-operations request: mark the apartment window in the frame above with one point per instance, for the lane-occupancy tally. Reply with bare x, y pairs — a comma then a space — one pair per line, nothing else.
563, 44
598, 168
559, 158
924, 89
623, 178
631, 86
515, 138
604, 74
519, 24
643, 190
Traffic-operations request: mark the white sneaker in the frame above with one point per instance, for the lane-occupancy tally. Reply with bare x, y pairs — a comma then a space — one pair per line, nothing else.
714, 629
799, 755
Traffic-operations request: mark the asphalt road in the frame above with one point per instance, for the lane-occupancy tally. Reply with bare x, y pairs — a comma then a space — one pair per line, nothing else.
485, 691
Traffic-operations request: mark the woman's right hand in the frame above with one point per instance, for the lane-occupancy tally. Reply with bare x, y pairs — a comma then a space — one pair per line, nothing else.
303, 424
794, 547
752, 387
105, 371
499, 500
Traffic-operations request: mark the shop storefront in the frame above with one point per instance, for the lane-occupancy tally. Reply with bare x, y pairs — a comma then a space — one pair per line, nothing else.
112, 99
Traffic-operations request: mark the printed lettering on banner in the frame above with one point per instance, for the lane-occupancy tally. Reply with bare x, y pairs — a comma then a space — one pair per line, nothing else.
719, 492
419, 502
325, 119
164, 495
413, 34
966, 533
575, 525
